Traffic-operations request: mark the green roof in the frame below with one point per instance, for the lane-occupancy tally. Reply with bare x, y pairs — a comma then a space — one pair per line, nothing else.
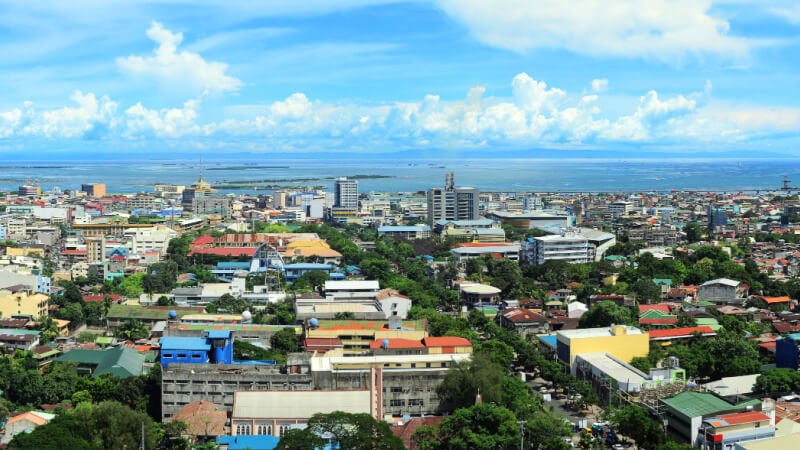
708, 322
46, 354
367, 324
118, 361
656, 314
694, 404
236, 327
616, 258
124, 312
103, 340
666, 281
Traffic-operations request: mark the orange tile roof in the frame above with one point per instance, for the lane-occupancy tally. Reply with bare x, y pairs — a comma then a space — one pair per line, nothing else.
675, 332
745, 417
446, 341
29, 416
771, 300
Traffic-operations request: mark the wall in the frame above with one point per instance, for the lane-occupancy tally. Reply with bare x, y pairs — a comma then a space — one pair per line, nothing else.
624, 347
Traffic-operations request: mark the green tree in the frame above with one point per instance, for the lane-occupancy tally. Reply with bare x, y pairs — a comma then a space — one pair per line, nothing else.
498, 352
463, 382
132, 330
778, 381
48, 327
635, 421
350, 431
285, 341
693, 232
604, 314
647, 291
480, 426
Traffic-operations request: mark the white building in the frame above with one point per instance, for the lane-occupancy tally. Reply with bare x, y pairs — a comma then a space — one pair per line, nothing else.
569, 247
620, 208
141, 240
346, 194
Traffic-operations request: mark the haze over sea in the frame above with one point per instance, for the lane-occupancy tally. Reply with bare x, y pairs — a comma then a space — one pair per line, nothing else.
485, 174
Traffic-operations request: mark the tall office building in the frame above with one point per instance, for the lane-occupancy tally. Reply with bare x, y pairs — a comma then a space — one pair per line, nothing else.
94, 190
345, 199
452, 203
717, 217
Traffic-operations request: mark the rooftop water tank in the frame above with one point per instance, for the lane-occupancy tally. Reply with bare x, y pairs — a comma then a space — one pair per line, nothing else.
173, 314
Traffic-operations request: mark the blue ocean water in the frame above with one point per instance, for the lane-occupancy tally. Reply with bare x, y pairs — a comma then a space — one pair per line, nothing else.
485, 174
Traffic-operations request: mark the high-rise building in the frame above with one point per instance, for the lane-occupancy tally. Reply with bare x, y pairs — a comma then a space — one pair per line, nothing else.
95, 249
717, 217
94, 190
346, 192
453, 203
345, 199
29, 190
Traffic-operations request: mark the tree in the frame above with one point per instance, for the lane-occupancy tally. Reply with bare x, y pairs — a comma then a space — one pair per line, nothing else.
635, 421
479, 426
778, 381
48, 327
351, 431
693, 232
285, 341
228, 303
647, 291
81, 397
498, 352
132, 330
166, 301
463, 382
604, 314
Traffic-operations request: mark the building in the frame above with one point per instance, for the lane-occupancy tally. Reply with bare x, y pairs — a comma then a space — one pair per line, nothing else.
476, 293
685, 413
119, 361
602, 368
22, 300
357, 335
149, 239
38, 283
722, 290
275, 412
95, 250
184, 383
198, 350
345, 199
717, 217
19, 339
536, 219
621, 341
294, 271
405, 232
94, 190
464, 252
24, 423
29, 190
523, 321
569, 247
203, 419
453, 203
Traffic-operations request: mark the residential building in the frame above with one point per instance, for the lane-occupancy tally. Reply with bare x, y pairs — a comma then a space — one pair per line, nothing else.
95, 250
22, 300
620, 208
464, 252
38, 283
405, 232
358, 335
717, 217
523, 321
345, 200
203, 419
24, 423
568, 246
19, 339
722, 290
685, 413
142, 240
119, 361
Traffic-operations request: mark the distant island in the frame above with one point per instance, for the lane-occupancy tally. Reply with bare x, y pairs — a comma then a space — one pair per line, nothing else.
247, 167
253, 184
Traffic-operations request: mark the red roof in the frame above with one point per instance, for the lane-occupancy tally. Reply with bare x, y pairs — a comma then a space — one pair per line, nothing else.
487, 244
446, 341
658, 321
658, 307
73, 252
230, 251
676, 332
397, 343
745, 417
202, 240
321, 344
771, 300
768, 345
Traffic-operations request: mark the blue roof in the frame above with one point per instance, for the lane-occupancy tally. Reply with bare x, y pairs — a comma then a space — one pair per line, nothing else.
551, 340
402, 229
233, 265
219, 334
184, 343
308, 266
254, 442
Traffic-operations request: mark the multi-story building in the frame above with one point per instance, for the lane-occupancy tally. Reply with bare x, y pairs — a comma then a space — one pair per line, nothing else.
147, 239
346, 192
21, 300
621, 341
569, 247
620, 208
405, 232
95, 249
29, 190
94, 190
453, 203
717, 217
33, 281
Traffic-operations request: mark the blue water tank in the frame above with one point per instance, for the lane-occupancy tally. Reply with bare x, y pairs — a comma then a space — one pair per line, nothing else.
385, 343
313, 322
173, 314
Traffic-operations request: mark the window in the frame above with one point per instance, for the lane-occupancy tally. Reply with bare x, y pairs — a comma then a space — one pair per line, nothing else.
265, 430
415, 402
167, 355
396, 389
397, 402
181, 355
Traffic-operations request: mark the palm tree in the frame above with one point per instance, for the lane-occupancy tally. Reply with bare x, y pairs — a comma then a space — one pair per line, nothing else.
106, 308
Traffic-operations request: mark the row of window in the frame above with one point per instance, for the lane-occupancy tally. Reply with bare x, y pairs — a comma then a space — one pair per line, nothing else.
245, 429
411, 402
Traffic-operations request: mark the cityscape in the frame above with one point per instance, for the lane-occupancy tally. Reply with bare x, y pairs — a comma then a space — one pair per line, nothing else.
400, 224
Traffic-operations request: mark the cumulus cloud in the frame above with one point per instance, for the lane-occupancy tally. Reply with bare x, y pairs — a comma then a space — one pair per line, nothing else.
644, 28
535, 114
178, 69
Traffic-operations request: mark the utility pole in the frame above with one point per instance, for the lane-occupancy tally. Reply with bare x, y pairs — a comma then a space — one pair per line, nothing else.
141, 446
521, 433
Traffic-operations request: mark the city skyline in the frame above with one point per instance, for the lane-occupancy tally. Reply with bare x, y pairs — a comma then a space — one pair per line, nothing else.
374, 77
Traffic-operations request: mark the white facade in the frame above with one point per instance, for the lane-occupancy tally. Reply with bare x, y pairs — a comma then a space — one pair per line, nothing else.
143, 240
569, 247
346, 194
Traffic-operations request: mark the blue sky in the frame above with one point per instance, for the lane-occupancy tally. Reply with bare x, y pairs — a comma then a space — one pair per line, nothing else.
370, 76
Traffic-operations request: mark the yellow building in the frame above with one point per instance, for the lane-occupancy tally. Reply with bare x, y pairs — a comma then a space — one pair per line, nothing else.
621, 341
19, 251
357, 335
22, 302
610, 280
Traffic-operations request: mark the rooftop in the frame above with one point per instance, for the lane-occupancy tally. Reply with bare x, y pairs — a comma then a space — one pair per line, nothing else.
596, 332
298, 404
184, 343
694, 404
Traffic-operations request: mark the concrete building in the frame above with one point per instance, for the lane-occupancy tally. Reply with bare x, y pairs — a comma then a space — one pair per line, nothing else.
95, 250
621, 341
523, 321
464, 252
717, 217
142, 240
620, 208
569, 247
405, 232
345, 199
357, 335
94, 190
722, 290
275, 412
24, 423
19, 339
536, 219
21, 300
279, 199
453, 203
685, 413
38, 283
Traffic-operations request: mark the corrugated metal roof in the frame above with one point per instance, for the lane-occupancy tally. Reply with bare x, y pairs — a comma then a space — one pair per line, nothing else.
298, 404
694, 404
184, 343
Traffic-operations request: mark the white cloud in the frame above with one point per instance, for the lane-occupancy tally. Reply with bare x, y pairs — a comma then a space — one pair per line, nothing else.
600, 85
164, 123
535, 114
644, 28
182, 70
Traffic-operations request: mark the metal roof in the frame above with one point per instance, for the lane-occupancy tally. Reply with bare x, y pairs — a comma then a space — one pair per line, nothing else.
184, 343
298, 404
695, 404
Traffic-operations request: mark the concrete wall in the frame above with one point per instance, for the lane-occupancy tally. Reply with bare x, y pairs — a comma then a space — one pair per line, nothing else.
624, 347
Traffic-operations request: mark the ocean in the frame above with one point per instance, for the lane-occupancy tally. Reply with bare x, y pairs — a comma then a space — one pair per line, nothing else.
485, 174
